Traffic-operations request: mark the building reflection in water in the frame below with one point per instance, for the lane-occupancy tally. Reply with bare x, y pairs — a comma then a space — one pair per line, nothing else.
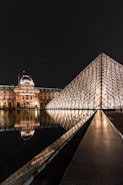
63, 126
24, 121
49, 132
26, 128
27, 122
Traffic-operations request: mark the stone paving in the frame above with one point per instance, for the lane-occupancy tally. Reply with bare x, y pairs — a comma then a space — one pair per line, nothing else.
99, 157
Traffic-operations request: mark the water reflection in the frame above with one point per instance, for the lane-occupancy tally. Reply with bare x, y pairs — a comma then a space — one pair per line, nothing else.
24, 121
26, 128
69, 122
69, 118
23, 135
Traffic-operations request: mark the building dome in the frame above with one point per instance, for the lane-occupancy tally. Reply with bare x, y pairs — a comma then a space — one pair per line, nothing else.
26, 79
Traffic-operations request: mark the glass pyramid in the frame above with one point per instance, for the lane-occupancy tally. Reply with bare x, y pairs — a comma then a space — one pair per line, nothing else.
98, 86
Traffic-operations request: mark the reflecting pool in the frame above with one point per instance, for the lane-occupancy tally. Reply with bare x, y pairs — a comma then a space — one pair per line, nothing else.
24, 134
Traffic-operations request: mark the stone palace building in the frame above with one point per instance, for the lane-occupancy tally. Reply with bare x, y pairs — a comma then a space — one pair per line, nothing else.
26, 95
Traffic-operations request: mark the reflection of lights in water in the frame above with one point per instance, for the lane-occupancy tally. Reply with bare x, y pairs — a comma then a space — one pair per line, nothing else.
71, 120
36, 113
27, 134
27, 128
2, 121
68, 118
26, 124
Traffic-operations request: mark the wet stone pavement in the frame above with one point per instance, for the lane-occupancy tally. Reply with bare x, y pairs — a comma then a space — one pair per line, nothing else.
98, 159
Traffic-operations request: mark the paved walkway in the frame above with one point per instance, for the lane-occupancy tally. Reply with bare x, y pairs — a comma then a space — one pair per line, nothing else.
99, 157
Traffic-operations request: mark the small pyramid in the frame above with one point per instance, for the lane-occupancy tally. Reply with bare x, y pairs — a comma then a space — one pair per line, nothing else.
98, 86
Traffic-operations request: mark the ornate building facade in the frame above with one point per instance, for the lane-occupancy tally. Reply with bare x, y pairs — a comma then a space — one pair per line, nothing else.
26, 95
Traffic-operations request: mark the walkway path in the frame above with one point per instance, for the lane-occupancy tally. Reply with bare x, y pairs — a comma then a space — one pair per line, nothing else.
99, 157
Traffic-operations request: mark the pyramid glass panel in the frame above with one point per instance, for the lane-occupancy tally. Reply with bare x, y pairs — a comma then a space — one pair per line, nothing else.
98, 86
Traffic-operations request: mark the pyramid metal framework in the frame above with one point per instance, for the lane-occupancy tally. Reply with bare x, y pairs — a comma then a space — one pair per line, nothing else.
98, 86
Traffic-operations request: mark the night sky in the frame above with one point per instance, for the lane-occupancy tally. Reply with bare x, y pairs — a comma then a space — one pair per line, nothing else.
55, 40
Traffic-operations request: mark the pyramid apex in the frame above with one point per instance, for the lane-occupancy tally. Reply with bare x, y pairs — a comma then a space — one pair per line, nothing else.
102, 54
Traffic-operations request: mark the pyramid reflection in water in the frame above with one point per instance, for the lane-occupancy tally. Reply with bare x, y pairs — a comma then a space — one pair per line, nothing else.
98, 86
69, 118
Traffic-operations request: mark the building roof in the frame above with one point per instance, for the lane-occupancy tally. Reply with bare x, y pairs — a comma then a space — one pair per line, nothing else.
26, 79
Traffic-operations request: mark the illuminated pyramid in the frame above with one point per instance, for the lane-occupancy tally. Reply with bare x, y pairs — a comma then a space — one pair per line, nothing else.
98, 86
